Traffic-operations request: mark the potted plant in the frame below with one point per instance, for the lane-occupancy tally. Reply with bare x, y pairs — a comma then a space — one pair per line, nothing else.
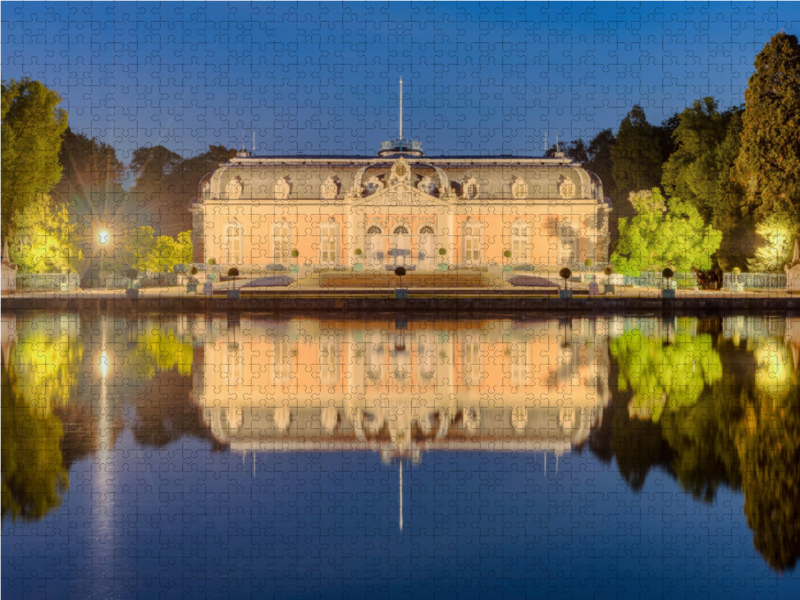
400, 292
191, 286
132, 292
565, 274
610, 287
442, 265
668, 291
358, 265
294, 268
233, 294
211, 276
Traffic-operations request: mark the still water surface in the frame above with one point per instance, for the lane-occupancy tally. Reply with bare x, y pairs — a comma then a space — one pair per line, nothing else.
218, 457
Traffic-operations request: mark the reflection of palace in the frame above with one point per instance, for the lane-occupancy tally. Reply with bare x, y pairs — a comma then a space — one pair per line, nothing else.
402, 387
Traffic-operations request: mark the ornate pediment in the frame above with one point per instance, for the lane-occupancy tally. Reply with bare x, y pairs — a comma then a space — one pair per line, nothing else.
401, 194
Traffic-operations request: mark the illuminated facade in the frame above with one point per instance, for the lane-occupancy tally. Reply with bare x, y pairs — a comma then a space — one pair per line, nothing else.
399, 208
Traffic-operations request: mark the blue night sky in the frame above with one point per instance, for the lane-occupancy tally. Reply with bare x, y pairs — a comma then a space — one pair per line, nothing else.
315, 78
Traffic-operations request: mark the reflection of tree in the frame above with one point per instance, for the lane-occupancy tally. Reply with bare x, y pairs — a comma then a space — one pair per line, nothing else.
166, 412
665, 374
158, 348
636, 444
33, 472
45, 360
767, 437
743, 431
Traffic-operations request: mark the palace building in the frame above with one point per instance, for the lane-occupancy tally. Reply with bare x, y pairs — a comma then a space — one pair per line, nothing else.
400, 208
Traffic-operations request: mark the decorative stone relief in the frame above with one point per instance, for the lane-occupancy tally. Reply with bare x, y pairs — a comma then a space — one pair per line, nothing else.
282, 189
427, 186
374, 185
566, 189
329, 189
401, 172
235, 188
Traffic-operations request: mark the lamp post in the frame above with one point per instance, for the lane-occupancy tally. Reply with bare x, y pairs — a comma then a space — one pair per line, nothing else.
102, 239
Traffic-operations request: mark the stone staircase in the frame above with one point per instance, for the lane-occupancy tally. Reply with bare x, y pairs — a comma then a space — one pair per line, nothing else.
449, 279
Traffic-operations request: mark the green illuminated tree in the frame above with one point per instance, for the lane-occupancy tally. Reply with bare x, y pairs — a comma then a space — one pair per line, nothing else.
32, 125
664, 234
43, 240
777, 234
146, 252
769, 160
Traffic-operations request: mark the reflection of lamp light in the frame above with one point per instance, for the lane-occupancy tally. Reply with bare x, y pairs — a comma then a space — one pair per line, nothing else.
102, 237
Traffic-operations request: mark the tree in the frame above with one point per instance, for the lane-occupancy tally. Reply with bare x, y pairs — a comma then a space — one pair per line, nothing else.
43, 240
151, 165
181, 184
769, 159
32, 125
599, 161
778, 234
636, 158
692, 171
89, 167
664, 234
146, 252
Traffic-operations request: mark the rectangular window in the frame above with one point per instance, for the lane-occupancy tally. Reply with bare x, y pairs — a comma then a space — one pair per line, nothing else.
328, 243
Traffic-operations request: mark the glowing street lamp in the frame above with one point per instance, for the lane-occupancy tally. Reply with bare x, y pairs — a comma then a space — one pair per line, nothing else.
102, 237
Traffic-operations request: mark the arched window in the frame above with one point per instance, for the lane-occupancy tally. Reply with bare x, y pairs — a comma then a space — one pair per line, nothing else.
233, 243
281, 242
472, 242
400, 244
374, 230
328, 242
426, 246
520, 234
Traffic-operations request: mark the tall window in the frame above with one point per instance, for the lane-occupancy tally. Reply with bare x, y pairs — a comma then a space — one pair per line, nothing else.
567, 243
374, 246
473, 361
328, 366
233, 243
282, 242
519, 363
519, 241
427, 244
472, 242
400, 244
283, 361
328, 242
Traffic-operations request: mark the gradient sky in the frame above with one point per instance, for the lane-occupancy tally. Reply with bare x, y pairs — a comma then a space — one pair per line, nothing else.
321, 78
